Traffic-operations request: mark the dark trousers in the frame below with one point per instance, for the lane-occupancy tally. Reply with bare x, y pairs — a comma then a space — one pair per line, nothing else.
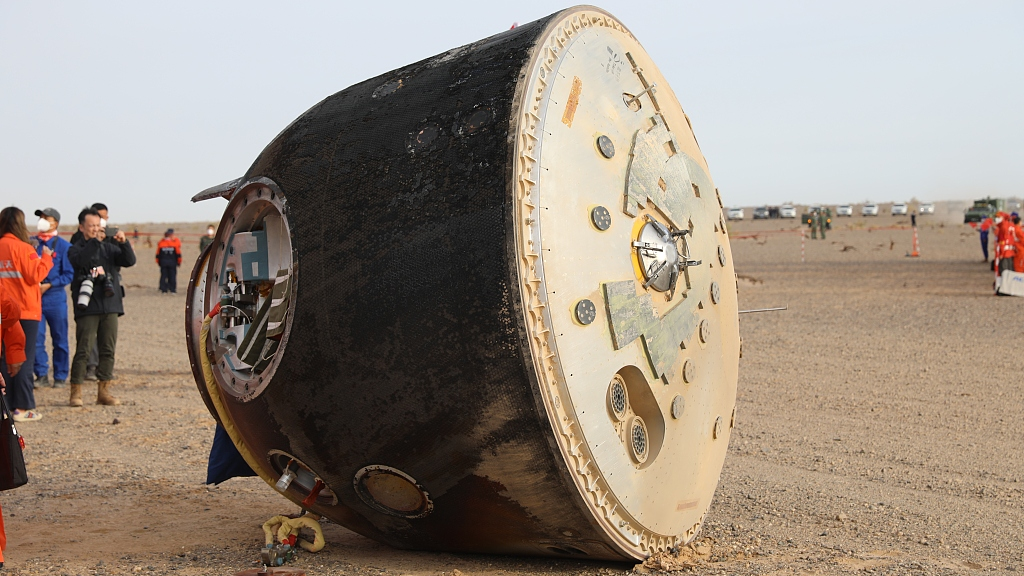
984, 245
19, 387
1004, 264
168, 278
101, 330
55, 316
94, 357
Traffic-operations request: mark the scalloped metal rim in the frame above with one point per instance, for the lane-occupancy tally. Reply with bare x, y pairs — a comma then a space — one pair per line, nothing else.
628, 535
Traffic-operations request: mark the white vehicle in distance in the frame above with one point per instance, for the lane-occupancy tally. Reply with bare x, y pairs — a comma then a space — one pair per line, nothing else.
869, 210
926, 208
787, 211
899, 209
735, 214
844, 210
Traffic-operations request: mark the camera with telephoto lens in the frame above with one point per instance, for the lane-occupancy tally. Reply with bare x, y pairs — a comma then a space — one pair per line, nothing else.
96, 278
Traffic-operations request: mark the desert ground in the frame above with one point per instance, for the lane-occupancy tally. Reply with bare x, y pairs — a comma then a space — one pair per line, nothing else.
879, 430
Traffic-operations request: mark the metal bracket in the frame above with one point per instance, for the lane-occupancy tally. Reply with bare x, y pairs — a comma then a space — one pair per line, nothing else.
225, 190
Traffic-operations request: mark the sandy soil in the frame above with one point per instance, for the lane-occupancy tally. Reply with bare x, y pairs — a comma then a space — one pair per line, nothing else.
878, 431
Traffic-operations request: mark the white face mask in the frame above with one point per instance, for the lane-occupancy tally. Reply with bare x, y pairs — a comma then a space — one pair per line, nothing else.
43, 225
209, 231
103, 222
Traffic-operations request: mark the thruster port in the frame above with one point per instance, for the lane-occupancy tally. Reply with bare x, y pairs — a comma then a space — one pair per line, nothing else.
635, 415
298, 479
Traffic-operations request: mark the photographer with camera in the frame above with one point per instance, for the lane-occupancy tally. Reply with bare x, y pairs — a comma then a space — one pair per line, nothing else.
96, 292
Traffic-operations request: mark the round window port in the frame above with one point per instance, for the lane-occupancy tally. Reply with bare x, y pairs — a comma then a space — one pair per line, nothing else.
392, 492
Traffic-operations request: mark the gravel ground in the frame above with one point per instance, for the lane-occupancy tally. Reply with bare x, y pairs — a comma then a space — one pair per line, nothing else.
878, 431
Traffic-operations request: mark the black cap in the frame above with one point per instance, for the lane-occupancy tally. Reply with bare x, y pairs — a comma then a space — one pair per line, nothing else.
49, 212
169, 231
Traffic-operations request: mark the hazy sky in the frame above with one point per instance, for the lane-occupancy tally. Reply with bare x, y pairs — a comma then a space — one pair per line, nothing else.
143, 104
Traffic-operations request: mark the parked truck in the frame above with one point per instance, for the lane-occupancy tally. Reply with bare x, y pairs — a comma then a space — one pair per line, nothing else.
984, 208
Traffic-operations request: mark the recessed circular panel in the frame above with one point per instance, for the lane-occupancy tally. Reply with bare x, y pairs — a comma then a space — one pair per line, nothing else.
604, 144
477, 120
705, 331
689, 371
678, 405
601, 218
424, 137
586, 312
392, 491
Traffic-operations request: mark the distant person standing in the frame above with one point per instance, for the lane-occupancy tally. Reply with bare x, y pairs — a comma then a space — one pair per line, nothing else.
168, 256
21, 271
54, 301
96, 317
205, 241
983, 229
822, 223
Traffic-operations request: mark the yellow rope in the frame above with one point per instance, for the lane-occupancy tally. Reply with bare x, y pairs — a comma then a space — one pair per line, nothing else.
268, 528
289, 526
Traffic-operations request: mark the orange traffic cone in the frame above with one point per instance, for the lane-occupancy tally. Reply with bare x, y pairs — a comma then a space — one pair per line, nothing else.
916, 253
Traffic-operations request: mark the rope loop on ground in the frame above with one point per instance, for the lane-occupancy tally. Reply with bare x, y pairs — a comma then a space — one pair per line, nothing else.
285, 528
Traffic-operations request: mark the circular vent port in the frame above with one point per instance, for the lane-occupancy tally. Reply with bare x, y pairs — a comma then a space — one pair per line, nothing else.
638, 439
617, 398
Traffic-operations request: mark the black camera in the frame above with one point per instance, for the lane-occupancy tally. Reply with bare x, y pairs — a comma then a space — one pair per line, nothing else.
96, 278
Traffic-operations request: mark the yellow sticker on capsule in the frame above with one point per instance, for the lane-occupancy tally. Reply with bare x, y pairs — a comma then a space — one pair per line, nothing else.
574, 100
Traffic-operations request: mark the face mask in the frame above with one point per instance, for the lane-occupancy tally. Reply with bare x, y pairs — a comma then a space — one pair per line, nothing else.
103, 222
209, 231
43, 225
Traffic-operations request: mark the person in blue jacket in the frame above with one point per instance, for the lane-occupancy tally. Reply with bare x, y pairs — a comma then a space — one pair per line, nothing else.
55, 302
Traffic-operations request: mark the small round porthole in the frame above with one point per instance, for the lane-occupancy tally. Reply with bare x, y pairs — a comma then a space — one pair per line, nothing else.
392, 492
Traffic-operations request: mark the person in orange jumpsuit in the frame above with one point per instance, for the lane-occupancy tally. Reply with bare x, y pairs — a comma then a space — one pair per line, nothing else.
1006, 242
12, 338
12, 335
1018, 230
21, 271
168, 256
